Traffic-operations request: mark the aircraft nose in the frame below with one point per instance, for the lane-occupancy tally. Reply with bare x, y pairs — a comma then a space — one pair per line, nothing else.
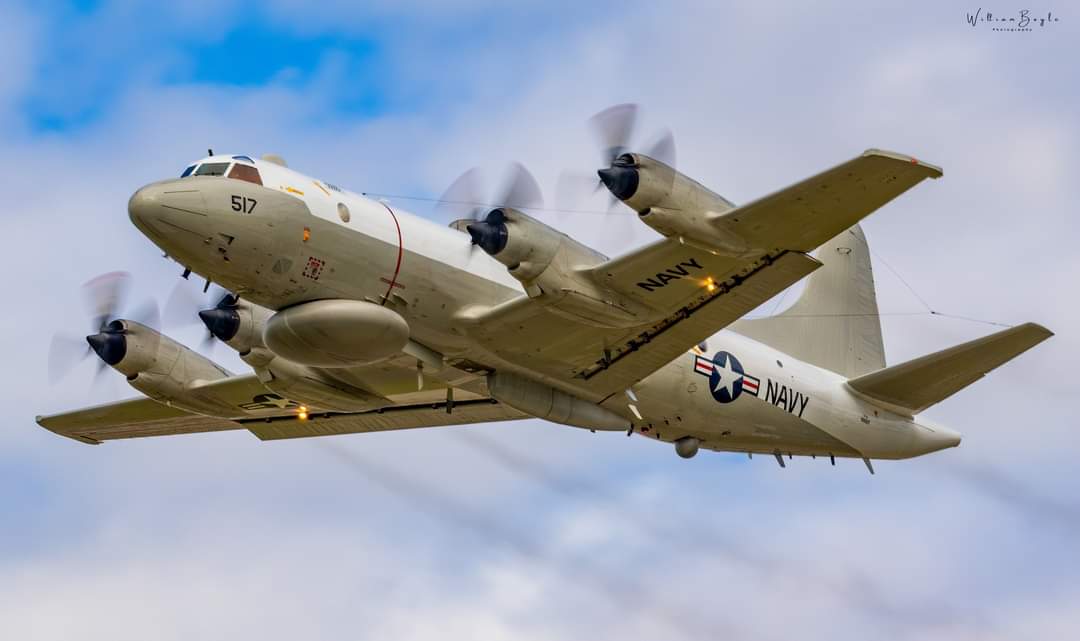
176, 202
143, 207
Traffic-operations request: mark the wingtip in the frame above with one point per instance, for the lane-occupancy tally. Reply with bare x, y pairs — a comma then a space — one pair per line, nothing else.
933, 171
42, 420
1040, 329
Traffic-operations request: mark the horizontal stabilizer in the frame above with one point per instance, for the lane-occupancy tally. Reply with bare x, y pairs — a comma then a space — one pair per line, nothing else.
925, 381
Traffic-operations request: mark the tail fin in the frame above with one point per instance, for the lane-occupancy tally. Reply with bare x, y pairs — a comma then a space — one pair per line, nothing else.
920, 383
835, 323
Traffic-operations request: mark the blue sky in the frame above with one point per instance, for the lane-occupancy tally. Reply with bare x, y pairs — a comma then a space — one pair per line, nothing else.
529, 530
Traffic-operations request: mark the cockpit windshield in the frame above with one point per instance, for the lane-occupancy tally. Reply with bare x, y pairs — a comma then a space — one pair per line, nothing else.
245, 172
237, 170
212, 169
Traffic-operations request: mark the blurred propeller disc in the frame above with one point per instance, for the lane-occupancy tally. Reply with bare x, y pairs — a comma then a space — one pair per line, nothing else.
186, 308
103, 297
466, 197
613, 128
663, 148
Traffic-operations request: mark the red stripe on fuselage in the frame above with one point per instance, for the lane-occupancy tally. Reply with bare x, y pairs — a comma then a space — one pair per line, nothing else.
400, 252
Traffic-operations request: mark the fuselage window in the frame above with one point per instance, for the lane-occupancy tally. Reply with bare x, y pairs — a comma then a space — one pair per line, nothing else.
343, 212
212, 169
245, 172
187, 172
247, 158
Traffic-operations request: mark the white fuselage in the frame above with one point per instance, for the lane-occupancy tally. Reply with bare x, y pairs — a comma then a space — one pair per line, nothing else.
359, 248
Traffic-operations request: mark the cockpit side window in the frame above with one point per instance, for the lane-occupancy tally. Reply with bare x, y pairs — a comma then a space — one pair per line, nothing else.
245, 172
212, 169
187, 172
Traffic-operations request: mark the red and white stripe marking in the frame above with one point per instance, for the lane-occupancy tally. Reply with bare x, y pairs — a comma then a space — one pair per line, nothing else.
750, 384
703, 366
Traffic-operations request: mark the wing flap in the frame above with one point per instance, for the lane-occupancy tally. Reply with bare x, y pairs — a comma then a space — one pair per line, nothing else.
390, 418
662, 343
924, 381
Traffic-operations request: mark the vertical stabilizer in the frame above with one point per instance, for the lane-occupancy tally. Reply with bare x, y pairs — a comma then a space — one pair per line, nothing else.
835, 322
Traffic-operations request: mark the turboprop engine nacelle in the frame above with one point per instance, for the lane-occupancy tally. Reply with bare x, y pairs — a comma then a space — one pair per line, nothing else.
335, 333
552, 265
239, 324
529, 248
671, 203
159, 367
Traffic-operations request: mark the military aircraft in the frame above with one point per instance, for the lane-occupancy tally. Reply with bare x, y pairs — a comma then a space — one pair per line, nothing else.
356, 316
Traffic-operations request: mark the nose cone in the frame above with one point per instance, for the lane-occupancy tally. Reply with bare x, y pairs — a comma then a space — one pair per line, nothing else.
173, 215
172, 202
143, 206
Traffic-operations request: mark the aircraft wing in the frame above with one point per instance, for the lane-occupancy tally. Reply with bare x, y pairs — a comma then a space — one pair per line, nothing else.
130, 419
685, 294
269, 416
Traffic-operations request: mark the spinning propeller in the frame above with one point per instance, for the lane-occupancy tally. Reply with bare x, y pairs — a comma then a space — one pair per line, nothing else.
217, 311
481, 216
103, 297
613, 130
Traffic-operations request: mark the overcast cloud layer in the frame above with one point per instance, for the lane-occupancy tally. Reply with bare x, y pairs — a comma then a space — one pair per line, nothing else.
529, 530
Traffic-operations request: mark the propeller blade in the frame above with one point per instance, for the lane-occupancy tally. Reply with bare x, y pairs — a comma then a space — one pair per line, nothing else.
99, 372
613, 128
575, 187
65, 352
520, 189
104, 295
464, 198
147, 314
663, 148
182, 306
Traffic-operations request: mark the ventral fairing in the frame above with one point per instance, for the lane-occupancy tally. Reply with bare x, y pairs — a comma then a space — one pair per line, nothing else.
356, 316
